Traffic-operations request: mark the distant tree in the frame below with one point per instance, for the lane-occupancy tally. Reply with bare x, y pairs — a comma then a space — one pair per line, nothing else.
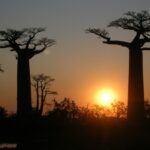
42, 84
25, 44
85, 112
139, 23
3, 112
65, 109
100, 112
119, 109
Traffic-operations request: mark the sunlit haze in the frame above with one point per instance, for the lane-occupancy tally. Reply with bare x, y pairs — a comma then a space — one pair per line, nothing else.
105, 97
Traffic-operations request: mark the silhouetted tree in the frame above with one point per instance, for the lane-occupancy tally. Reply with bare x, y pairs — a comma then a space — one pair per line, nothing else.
3, 112
42, 83
25, 44
139, 23
119, 109
86, 113
65, 109
98, 111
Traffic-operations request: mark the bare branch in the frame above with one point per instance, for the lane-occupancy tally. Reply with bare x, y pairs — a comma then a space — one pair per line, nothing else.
124, 23
115, 42
13, 35
145, 48
146, 35
138, 22
29, 41
45, 43
31, 33
102, 33
10, 38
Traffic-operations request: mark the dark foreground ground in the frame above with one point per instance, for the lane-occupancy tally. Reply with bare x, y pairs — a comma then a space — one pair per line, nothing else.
49, 134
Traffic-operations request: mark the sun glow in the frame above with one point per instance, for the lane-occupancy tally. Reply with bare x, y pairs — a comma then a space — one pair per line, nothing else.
105, 98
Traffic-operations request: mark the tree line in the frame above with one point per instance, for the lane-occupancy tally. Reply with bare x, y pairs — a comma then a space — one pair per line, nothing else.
67, 109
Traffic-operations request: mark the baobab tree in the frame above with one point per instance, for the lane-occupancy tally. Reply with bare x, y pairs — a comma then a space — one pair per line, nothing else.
26, 45
41, 84
139, 23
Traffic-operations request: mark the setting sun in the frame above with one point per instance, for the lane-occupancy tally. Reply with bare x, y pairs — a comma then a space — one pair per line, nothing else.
105, 98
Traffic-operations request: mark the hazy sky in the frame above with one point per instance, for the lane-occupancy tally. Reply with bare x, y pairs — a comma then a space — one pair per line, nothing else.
79, 62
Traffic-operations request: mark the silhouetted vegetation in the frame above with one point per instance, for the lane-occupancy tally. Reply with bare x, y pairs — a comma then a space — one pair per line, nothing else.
68, 110
3, 112
139, 23
66, 125
41, 84
119, 109
64, 110
25, 44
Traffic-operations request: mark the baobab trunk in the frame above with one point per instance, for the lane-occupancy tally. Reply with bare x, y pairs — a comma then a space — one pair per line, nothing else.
136, 87
24, 107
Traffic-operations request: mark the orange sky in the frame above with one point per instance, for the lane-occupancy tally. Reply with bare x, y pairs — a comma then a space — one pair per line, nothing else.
80, 62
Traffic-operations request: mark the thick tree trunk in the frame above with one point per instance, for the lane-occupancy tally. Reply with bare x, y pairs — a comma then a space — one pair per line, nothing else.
136, 112
24, 107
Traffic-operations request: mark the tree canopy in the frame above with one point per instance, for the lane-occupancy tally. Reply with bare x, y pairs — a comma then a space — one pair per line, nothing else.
137, 22
26, 44
25, 39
